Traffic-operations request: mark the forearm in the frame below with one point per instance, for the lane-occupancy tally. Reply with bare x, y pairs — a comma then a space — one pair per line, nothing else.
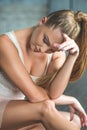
64, 100
61, 80
33, 92
37, 95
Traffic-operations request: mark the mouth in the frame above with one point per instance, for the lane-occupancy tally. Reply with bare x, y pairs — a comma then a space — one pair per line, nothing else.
36, 50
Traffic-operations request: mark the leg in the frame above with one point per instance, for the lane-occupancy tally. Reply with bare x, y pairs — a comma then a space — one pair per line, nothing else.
37, 126
19, 114
56, 120
75, 121
23, 113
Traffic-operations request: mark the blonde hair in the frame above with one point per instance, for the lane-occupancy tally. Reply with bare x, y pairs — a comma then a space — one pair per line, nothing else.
75, 26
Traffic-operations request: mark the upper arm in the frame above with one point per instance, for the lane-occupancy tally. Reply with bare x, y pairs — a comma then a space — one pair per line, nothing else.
9, 57
11, 63
15, 70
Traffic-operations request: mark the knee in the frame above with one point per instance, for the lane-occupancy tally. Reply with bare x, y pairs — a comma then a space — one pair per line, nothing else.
77, 121
47, 108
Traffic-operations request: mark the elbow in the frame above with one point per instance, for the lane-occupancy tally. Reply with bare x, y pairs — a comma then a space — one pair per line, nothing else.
32, 100
53, 95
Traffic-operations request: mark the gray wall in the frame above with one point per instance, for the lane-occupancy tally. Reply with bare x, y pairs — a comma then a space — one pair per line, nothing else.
17, 14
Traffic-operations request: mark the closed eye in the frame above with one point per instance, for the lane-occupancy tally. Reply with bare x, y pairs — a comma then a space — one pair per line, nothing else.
46, 40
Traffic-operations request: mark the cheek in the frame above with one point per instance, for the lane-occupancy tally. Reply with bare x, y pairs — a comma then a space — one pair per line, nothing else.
34, 36
44, 49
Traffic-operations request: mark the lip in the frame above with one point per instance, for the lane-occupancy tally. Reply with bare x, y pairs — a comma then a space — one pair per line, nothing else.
36, 50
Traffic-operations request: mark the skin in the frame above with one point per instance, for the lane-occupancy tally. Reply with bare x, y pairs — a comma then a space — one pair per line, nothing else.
41, 107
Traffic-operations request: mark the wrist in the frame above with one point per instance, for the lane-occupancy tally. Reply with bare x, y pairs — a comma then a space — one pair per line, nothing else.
74, 100
76, 54
72, 58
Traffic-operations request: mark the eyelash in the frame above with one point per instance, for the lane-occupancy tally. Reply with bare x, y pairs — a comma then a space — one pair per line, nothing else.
45, 40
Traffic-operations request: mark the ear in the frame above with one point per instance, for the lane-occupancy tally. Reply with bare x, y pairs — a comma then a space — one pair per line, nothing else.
42, 21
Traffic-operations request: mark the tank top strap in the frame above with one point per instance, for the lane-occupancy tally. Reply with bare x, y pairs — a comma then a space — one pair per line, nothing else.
49, 58
14, 40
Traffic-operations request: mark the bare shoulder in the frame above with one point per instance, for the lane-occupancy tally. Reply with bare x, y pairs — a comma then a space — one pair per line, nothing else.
3, 38
7, 49
6, 44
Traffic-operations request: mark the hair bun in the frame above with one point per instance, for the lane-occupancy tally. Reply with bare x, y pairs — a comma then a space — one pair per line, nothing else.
80, 16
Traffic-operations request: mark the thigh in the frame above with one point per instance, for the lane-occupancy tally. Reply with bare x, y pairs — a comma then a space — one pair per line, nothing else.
20, 114
36, 126
76, 119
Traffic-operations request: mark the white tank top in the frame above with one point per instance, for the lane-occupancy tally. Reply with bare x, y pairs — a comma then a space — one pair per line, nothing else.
7, 87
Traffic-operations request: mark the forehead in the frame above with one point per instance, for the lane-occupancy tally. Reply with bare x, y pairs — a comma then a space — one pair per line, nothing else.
54, 35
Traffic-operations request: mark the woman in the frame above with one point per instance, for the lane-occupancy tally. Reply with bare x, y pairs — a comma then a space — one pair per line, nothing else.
34, 64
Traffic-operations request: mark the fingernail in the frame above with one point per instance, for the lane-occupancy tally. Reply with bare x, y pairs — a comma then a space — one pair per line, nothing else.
55, 44
60, 48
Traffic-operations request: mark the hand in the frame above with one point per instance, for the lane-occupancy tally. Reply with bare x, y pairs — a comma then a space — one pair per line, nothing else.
76, 106
69, 45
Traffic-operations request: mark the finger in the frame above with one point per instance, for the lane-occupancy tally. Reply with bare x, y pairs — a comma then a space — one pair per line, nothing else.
71, 116
67, 43
72, 111
64, 44
66, 37
83, 119
55, 45
72, 51
71, 46
86, 123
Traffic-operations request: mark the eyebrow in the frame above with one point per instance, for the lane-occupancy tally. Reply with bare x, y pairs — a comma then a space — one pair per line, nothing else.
46, 40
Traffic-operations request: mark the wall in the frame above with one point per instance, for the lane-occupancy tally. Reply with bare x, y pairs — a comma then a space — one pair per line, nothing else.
16, 14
